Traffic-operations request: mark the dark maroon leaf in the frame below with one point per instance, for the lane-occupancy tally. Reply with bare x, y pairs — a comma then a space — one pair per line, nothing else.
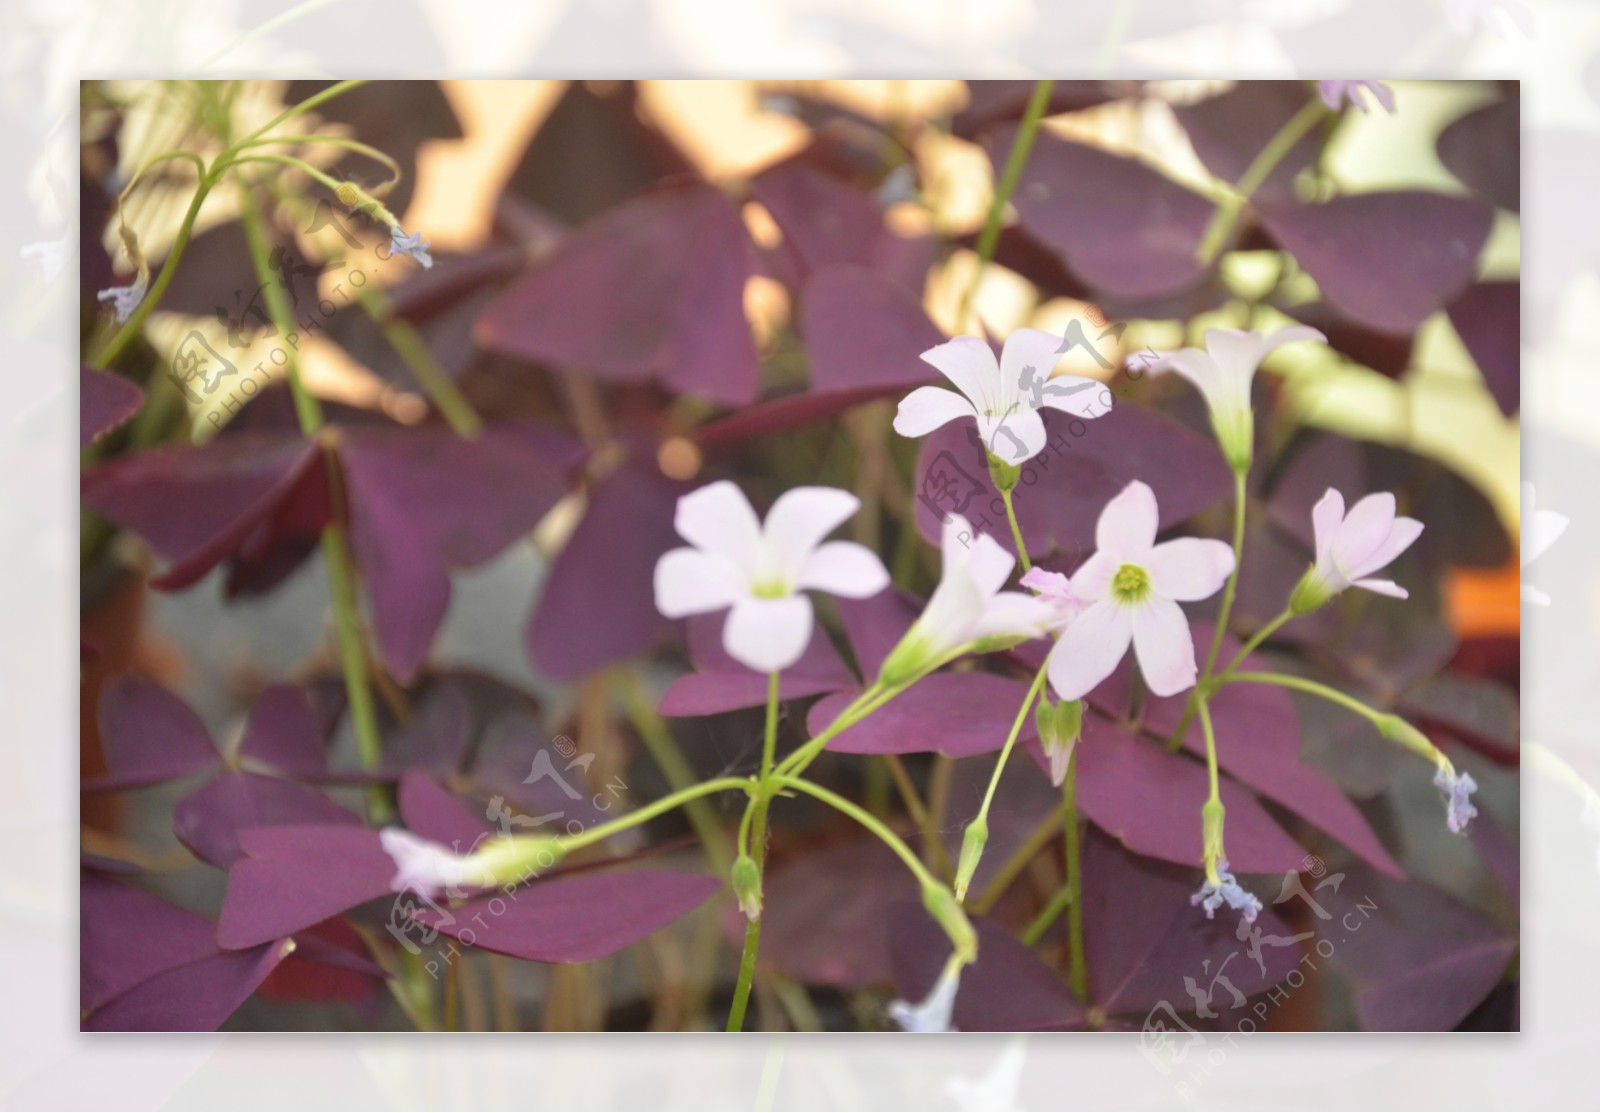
957, 714
1008, 989
423, 501
195, 505
1499, 852
436, 737
197, 997
1150, 799
284, 731
1482, 148
1144, 941
1421, 960
1229, 130
990, 102
875, 626
209, 820
543, 777
598, 603
652, 289
105, 401
294, 877
1481, 713
1488, 317
436, 813
1384, 352
863, 330
719, 683
1388, 260
149, 735
576, 918
1063, 489
824, 914
1125, 228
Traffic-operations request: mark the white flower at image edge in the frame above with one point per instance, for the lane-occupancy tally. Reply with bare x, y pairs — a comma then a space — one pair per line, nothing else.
1003, 397
761, 571
1133, 587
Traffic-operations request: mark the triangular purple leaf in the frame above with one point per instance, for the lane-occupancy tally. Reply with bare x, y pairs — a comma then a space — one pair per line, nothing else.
208, 821
149, 736
294, 877
105, 401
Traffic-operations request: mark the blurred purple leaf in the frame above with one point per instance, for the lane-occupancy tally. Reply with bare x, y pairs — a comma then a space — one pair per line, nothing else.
1482, 148
957, 714
990, 102
209, 820
436, 813
719, 683
105, 401
1230, 129
294, 877
1488, 318
286, 733
149, 736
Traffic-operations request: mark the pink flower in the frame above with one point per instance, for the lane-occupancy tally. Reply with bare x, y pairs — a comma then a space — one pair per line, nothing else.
1337, 93
762, 571
1350, 548
1055, 589
1133, 587
1005, 397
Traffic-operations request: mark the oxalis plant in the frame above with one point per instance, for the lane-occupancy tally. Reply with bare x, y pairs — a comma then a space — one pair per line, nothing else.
394, 510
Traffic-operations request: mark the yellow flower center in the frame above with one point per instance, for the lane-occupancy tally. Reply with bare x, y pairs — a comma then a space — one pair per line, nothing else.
1131, 584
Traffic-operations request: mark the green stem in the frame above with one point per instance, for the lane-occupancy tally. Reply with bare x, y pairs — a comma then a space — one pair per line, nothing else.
1212, 776
1047, 916
755, 823
300, 109
1016, 532
1231, 589
1077, 964
1301, 684
1227, 214
306, 406
1250, 646
871, 822
403, 338
972, 847
1014, 865
591, 835
1021, 146
657, 738
862, 706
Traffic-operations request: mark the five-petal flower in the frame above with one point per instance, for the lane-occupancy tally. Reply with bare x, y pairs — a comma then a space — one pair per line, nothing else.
402, 242
1223, 371
1004, 397
762, 571
1134, 586
1226, 890
1350, 548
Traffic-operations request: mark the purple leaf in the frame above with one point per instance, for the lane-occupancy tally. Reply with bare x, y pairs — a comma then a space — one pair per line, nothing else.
1008, 989
719, 683
286, 733
424, 501
209, 820
294, 877
436, 737
1143, 937
1063, 489
195, 506
598, 603
824, 914
989, 102
149, 736
436, 813
957, 714
1150, 800
875, 626
652, 289
1421, 961
197, 997
575, 918
1125, 228
1481, 149
1229, 130
1488, 318
105, 401
1388, 260
863, 330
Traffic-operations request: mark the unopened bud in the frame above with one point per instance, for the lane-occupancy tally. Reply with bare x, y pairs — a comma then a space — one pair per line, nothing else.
972, 844
746, 881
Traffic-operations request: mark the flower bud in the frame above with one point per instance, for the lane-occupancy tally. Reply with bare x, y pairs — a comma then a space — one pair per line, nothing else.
1004, 475
1310, 593
972, 844
1059, 725
746, 881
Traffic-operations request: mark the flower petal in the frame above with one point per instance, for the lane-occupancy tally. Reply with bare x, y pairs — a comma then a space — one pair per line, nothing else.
1013, 614
717, 518
768, 634
1189, 568
1016, 436
689, 581
927, 408
798, 522
1326, 518
844, 568
1365, 528
1127, 526
1194, 364
1384, 587
1076, 395
989, 565
1090, 649
1165, 649
1029, 354
1092, 580
1401, 535
968, 363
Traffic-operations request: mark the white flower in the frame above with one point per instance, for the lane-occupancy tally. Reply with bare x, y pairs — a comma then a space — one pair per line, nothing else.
1540, 529
125, 299
1223, 371
1458, 789
402, 242
1350, 548
1055, 588
1226, 889
1005, 397
428, 868
932, 1014
762, 571
968, 605
1334, 94
1134, 587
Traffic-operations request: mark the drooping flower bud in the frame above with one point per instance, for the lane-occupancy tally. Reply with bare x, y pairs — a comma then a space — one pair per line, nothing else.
746, 881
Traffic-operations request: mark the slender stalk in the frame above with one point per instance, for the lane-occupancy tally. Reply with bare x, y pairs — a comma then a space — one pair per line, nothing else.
335, 90
591, 835
1228, 592
1266, 160
1014, 865
1048, 915
1016, 533
932, 845
756, 817
1211, 754
978, 829
1301, 684
1077, 964
862, 706
1021, 146
403, 338
1250, 646
871, 822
